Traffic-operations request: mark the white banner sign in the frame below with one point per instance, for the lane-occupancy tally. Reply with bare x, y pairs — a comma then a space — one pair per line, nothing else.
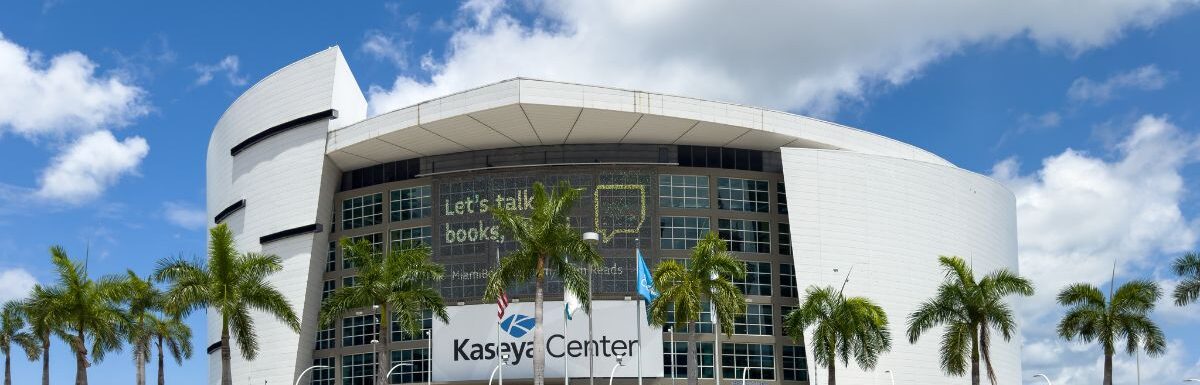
465, 349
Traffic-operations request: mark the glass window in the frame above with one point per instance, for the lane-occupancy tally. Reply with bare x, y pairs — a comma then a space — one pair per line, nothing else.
758, 321
327, 289
759, 358
675, 358
324, 376
326, 338
758, 279
705, 360
745, 235
349, 281
358, 369
703, 325
785, 239
358, 330
682, 233
366, 210
331, 261
412, 237
787, 281
794, 365
683, 191
401, 335
743, 195
411, 203
780, 198
376, 241
416, 371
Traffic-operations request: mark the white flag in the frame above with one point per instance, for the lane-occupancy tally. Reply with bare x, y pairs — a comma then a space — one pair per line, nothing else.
571, 302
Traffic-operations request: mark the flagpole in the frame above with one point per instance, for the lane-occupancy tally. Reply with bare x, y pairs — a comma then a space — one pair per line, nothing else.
498, 319
637, 305
566, 328
591, 357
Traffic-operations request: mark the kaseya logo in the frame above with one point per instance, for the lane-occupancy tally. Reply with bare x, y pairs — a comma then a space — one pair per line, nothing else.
517, 325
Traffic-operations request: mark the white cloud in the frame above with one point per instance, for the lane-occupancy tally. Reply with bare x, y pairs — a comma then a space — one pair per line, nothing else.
185, 216
1069, 363
15, 283
1145, 78
229, 65
84, 169
385, 47
62, 96
804, 56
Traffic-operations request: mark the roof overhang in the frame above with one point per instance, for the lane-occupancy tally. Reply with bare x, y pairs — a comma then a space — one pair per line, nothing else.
525, 112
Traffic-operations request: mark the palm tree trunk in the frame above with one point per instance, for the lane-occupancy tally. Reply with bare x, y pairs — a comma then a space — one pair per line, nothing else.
832, 372
381, 347
46, 359
162, 378
974, 357
539, 341
226, 374
8, 369
693, 356
139, 359
1107, 368
81, 363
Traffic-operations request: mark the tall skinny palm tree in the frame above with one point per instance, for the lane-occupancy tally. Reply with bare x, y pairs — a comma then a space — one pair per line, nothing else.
142, 299
401, 283
704, 280
846, 328
546, 242
1187, 267
170, 331
12, 332
1126, 314
91, 316
969, 310
229, 284
44, 320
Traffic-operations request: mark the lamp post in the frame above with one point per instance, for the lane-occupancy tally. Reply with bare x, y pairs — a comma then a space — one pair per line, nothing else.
745, 371
388, 377
593, 239
891, 376
306, 371
620, 363
1043, 376
674, 362
429, 355
499, 368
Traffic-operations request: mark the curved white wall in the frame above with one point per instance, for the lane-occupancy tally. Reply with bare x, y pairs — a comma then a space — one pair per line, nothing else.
890, 218
286, 182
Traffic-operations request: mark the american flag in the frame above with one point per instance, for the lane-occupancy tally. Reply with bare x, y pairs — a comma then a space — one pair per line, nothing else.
501, 304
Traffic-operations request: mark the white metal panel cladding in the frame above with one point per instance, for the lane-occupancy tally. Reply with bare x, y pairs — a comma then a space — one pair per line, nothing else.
889, 219
464, 349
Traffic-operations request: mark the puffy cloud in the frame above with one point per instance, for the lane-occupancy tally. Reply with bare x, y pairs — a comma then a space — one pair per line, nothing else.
185, 216
61, 96
386, 48
84, 169
1069, 363
15, 283
229, 65
805, 56
1145, 78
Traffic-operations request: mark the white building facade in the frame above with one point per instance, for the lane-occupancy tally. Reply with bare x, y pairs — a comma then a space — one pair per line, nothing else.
295, 164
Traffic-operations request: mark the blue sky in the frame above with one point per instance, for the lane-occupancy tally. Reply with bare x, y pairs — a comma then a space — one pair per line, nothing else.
1087, 113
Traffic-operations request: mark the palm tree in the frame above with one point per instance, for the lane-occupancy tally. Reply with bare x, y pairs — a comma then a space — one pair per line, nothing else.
969, 310
43, 320
177, 336
143, 300
845, 328
400, 283
1126, 315
90, 315
12, 331
229, 284
1188, 268
705, 279
545, 241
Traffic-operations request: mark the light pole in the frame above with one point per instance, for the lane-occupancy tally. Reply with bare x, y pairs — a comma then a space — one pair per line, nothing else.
375, 341
1043, 376
620, 363
674, 362
499, 368
388, 377
745, 371
593, 239
429, 357
891, 376
306, 371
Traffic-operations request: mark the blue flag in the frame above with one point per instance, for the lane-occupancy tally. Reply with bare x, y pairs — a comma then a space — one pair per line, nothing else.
645, 283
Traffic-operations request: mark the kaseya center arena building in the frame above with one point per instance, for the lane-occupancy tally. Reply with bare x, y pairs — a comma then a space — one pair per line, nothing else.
295, 164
